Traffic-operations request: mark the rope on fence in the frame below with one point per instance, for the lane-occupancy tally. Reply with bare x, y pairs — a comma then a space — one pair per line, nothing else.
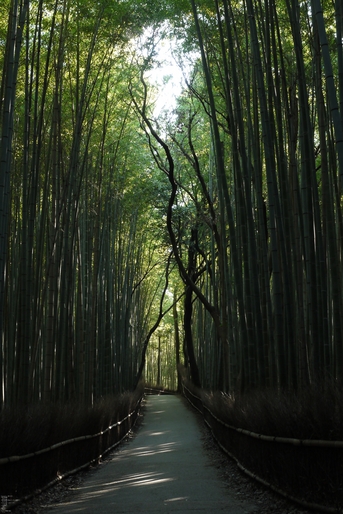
194, 396
302, 503
16, 458
61, 476
297, 442
80, 468
269, 438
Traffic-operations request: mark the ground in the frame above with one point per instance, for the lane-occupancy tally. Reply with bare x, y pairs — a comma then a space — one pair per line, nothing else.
227, 470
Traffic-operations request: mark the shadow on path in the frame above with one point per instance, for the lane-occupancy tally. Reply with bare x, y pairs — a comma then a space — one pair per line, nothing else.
163, 469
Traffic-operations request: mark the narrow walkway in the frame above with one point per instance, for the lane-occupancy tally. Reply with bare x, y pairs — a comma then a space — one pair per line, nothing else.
163, 469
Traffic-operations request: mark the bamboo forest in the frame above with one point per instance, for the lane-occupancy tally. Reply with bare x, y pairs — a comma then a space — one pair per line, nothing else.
203, 235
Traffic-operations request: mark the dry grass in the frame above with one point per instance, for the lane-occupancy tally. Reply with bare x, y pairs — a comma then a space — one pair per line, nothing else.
29, 429
309, 473
313, 413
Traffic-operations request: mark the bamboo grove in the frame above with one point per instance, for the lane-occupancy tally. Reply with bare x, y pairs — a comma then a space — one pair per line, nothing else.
254, 162
76, 252
238, 189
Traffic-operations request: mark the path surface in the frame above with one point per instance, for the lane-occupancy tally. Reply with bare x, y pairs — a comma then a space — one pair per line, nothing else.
163, 469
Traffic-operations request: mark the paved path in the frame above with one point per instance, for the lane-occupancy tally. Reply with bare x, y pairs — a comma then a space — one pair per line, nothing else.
163, 469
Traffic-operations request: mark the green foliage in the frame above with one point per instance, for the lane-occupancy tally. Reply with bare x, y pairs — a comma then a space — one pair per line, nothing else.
254, 141
81, 221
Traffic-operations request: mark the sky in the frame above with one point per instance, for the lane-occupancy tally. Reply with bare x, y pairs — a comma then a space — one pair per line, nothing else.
168, 78
166, 74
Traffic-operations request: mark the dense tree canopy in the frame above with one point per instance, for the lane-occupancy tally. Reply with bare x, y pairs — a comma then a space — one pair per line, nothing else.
211, 236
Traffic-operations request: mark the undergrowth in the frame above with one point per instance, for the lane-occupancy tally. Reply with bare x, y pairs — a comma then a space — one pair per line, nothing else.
315, 412
28, 429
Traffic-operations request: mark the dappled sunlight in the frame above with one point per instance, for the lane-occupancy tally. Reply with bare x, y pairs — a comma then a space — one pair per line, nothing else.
148, 479
143, 451
161, 470
138, 480
180, 499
